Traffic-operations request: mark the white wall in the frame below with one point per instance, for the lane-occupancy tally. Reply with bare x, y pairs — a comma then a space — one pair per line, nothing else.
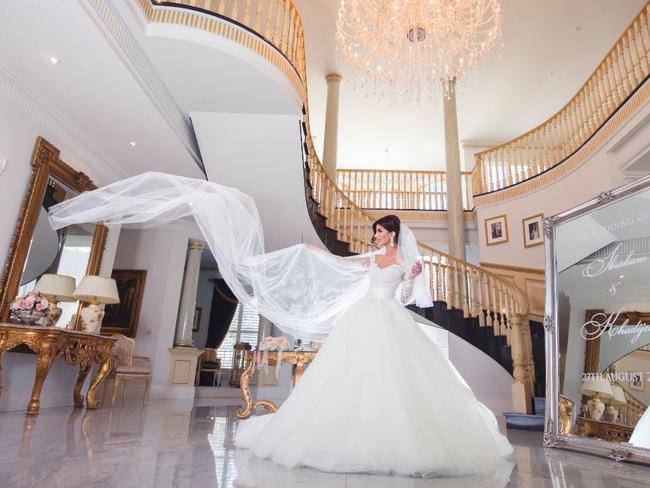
236, 146
19, 130
161, 251
601, 172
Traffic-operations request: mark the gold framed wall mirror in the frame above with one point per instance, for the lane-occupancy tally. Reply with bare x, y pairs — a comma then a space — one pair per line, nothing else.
36, 248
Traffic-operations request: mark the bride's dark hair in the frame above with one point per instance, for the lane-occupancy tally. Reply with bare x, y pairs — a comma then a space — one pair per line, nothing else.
389, 222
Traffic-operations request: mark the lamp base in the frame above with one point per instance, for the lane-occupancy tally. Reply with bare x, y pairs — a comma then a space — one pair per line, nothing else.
91, 318
53, 314
596, 408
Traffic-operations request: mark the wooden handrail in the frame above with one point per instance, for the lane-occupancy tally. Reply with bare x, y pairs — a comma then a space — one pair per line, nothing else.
624, 69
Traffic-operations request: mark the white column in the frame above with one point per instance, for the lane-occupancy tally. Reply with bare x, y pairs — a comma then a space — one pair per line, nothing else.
330, 141
187, 305
455, 218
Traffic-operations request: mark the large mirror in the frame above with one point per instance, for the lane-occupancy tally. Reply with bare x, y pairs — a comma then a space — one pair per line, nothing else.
598, 325
36, 248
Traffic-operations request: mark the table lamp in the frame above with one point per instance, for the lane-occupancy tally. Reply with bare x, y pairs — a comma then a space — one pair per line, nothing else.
95, 290
597, 388
56, 288
614, 403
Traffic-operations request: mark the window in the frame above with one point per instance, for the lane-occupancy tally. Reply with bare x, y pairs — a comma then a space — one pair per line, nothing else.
243, 328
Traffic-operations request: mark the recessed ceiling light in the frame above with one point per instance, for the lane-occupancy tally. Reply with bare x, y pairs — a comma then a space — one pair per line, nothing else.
54, 60
132, 144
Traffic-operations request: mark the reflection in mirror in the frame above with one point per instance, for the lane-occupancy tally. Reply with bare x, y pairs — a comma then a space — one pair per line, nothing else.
65, 252
602, 262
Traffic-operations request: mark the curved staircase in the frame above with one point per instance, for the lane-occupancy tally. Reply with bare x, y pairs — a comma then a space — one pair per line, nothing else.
471, 302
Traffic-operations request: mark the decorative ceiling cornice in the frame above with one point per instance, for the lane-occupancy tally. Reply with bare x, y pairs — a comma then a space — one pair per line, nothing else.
68, 135
114, 29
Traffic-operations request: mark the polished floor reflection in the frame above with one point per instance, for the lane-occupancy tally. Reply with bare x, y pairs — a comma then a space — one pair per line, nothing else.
169, 445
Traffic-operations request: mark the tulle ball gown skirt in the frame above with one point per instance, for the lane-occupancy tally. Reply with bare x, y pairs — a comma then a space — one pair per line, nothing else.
380, 398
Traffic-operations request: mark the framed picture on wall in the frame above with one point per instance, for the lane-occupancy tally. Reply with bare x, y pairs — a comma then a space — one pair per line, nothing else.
122, 318
533, 230
636, 381
197, 319
496, 230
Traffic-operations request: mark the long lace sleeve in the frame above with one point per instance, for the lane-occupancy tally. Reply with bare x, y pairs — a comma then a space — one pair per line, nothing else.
409, 280
407, 289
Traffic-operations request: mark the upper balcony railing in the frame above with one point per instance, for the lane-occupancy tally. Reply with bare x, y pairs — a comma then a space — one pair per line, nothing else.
621, 72
400, 189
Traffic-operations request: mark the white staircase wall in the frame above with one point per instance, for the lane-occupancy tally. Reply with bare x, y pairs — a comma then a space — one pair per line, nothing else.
261, 155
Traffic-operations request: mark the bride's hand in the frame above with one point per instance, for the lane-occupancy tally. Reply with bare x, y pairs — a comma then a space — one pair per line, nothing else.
416, 269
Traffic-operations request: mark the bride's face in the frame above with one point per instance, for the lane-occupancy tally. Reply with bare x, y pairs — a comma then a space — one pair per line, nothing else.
382, 236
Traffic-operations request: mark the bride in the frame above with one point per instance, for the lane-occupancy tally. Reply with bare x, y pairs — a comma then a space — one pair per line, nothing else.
380, 397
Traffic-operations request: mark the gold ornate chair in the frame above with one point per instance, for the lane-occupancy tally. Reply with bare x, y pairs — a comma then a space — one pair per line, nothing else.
209, 362
129, 367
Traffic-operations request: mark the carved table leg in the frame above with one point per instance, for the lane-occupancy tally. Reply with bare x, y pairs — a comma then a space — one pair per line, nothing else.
249, 406
46, 356
297, 373
84, 369
104, 369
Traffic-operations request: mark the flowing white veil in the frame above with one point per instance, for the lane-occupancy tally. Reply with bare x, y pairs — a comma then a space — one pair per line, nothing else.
300, 289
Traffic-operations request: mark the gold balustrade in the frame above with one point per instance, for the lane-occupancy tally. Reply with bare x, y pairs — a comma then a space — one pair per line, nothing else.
475, 291
621, 72
401, 189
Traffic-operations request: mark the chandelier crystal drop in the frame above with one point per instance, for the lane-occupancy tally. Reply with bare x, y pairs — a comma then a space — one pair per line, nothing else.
404, 48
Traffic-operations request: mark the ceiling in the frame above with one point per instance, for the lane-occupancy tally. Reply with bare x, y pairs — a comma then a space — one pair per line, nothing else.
549, 50
91, 88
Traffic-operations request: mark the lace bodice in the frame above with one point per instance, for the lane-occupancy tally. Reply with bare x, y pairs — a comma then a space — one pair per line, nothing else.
385, 281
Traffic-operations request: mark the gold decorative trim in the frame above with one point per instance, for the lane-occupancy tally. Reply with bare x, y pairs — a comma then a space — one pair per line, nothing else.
213, 25
574, 162
507, 267
436, 216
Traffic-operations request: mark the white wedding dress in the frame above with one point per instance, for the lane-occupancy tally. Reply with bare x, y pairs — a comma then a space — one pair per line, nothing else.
641, 434
380, 397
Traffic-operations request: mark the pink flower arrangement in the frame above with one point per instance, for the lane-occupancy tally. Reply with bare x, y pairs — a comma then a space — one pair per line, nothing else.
32, 300
270, 343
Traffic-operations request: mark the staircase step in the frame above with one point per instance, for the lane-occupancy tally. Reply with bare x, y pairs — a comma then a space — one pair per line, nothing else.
524, 421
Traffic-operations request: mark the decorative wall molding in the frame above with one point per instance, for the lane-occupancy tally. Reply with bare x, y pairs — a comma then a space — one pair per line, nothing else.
67, 135
109, 22
437, 216
574, 162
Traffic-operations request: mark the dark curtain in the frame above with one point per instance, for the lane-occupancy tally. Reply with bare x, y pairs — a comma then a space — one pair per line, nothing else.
222, 310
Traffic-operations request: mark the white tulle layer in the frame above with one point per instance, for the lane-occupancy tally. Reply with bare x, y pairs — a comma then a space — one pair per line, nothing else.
379, 398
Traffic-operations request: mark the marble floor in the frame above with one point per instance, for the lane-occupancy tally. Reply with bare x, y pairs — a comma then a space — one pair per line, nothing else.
168, 444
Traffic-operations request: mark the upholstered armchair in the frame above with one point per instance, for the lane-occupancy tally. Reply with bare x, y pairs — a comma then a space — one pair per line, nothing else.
128, 367
209, 362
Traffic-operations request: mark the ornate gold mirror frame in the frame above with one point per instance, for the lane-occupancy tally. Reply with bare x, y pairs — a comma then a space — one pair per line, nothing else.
45, 164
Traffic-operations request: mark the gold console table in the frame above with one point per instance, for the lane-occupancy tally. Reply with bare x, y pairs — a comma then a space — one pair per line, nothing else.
76, 347
298, 358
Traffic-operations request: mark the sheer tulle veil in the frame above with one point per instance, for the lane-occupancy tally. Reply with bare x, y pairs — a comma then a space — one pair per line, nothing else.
300, 289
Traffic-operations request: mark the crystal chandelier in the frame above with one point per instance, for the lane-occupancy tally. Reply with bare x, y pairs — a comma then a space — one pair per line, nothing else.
404, 48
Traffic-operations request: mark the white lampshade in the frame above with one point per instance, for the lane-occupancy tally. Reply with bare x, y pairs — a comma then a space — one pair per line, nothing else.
597, 386
56, 288
619, 396
97, 289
